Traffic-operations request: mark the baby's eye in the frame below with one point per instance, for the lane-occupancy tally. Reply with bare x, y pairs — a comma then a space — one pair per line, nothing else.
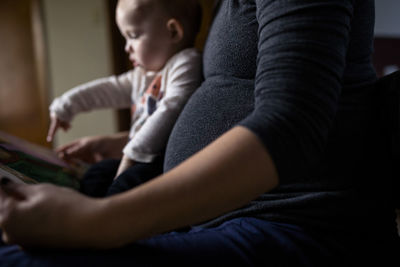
132, 35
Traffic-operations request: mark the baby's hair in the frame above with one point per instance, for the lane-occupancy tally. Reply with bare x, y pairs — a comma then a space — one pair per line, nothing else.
187, 12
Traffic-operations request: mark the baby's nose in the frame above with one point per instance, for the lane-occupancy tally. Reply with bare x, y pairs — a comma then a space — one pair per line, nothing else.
128, 48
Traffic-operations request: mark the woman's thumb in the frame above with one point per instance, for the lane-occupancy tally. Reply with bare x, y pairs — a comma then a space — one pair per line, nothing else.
13, 189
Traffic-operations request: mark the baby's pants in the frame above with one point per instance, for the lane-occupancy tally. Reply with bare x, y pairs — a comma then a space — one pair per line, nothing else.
99, 181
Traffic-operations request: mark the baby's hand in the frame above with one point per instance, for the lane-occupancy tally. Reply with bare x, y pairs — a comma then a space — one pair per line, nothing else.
54, 125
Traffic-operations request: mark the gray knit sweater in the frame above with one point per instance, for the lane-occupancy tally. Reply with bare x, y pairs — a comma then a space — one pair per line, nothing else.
297, 73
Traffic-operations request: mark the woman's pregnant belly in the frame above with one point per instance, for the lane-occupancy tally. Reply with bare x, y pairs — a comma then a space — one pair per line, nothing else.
218, 105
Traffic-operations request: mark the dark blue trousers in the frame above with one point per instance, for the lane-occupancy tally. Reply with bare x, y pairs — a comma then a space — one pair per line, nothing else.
239, 242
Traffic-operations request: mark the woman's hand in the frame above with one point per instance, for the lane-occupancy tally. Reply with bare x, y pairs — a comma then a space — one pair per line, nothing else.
227, 174
48, 216
93, 149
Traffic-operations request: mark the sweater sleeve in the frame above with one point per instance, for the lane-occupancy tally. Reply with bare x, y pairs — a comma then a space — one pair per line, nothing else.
183, 78
301, 59
110, 92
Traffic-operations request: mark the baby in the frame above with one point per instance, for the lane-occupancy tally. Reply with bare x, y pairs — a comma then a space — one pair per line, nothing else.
160, 36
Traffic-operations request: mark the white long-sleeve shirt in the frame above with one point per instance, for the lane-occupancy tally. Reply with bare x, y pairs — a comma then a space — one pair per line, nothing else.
156, 99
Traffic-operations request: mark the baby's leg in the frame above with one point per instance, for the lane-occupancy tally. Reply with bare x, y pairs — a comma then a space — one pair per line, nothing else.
136, 175
99, 177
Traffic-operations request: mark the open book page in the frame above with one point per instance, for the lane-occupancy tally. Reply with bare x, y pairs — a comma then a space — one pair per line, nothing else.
15, 175
32, 163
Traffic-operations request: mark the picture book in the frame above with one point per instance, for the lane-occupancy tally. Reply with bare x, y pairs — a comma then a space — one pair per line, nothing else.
22, 161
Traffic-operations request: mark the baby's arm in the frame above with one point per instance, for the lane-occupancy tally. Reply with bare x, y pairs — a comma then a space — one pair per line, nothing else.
149, 141
114, 91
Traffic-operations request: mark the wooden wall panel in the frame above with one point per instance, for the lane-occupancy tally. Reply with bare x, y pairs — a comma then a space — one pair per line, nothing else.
23, 105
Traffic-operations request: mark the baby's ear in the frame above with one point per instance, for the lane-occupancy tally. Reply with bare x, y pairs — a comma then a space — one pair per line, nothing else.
175, 29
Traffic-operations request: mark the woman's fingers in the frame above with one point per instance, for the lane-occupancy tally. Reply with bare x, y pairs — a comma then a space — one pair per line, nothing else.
12, 189
10, 194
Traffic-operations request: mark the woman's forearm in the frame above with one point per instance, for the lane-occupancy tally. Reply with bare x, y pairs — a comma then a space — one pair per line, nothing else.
227, 174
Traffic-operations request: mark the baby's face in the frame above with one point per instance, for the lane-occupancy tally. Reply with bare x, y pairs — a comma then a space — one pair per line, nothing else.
144, 28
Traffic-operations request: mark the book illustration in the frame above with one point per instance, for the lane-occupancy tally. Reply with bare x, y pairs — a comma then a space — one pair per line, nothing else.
35, 164
36, 151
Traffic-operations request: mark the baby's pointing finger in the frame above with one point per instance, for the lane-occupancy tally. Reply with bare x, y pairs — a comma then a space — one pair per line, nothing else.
52, 130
